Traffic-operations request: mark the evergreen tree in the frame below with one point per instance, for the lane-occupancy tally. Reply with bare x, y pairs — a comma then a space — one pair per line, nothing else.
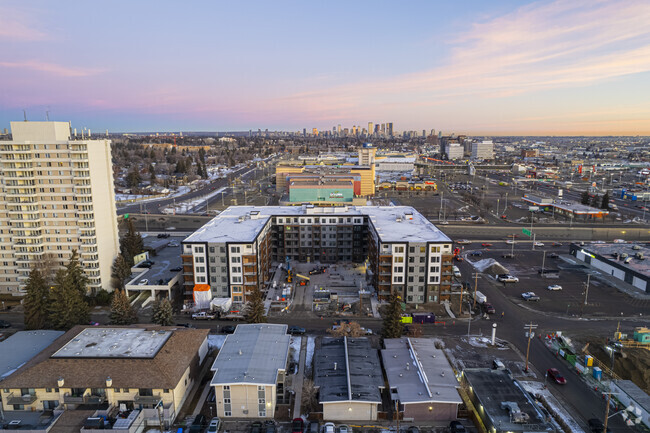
131, 244
255, 308
585, 198
36, 301
605, 203
152, 173
119, 272
122, 312
596, 201
392, 326
163, 314
75, 275
67, 305
133, 179
180, 166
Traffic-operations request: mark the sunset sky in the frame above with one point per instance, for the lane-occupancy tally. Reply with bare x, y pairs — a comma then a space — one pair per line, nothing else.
469, 67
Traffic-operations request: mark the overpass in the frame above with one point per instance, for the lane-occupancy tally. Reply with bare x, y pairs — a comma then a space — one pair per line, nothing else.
189, 223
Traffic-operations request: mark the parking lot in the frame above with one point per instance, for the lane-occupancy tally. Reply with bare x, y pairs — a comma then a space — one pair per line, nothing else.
602, 298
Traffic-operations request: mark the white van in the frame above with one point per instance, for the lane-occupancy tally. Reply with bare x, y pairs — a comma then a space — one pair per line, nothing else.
456, 271
480, 297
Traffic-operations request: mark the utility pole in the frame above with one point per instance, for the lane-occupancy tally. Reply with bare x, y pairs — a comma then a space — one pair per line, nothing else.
543, 261
475, 287
530, 328
460, 304
587, 288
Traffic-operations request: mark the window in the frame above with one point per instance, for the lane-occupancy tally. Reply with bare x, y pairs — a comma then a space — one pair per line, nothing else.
435, 249
200, 269
236, 269
235, 250
198, 249
199, 259
212, 250
398, 269
398, 259
411, 249
399, 249
235, 259
434, 269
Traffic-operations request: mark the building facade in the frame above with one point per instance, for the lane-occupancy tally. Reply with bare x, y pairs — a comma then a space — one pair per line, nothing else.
483, 150
237, 251
139, 367
250, 371
56, 196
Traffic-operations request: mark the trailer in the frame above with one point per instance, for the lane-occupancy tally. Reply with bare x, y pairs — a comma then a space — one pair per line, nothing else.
221, 305
424, 318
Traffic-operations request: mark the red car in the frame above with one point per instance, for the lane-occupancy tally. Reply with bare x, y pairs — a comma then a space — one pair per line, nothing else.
297, 425
486, 244
556, 376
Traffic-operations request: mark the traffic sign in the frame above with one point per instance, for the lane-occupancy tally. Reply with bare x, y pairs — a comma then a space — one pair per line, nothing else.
526, 232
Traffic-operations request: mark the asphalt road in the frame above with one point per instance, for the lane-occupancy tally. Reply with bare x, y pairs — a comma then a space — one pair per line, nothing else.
157, 205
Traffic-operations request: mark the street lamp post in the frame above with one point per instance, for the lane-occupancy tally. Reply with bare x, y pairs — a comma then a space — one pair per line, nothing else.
530, 328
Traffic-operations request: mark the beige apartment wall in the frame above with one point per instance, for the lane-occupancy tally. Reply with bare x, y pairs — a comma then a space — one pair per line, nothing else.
103, 196
350, 411
244, 398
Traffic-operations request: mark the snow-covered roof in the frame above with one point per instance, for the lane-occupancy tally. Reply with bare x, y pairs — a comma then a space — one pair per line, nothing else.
391, 223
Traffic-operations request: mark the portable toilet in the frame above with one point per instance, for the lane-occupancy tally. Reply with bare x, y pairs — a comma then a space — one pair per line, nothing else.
598, 373
589, 361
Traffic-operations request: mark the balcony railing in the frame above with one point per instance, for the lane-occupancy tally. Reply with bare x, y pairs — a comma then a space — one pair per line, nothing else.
21, 399
147, 399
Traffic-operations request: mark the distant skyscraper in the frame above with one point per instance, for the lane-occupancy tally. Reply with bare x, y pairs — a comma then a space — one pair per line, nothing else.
314, 132
304, 132
389, 129
370, 128
339, 129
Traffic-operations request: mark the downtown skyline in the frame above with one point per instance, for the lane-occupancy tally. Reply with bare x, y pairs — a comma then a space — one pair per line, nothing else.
480, 68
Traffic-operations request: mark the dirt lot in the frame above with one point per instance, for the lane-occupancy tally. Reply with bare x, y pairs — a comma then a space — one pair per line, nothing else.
630, 364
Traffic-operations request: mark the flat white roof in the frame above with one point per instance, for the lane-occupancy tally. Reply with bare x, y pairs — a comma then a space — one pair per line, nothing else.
114, 343
392, 223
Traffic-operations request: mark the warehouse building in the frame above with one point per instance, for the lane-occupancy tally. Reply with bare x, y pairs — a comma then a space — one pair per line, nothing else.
626, 262
238, 251
501, 402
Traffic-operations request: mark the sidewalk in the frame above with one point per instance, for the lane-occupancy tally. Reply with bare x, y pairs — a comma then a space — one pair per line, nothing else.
298, 379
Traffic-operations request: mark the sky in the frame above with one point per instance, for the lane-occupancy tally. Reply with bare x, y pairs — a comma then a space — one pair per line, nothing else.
575, 67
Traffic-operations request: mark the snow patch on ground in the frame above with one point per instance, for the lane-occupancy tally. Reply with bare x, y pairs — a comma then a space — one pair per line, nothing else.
311, 344
482, 265
294, 349
216, 341
478, 341
537, 389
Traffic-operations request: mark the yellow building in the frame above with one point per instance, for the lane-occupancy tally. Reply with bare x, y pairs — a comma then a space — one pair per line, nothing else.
250, 370
136, 368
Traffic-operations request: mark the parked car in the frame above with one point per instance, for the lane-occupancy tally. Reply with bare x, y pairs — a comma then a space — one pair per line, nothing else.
256, 427
507, 278
486, 244
554, 287
457, 427
5, 324
270, 427
198, 424
176, 269
228, 329
508, 256
488, 308
163, 235
173, 244
597, 426
143, 282
297, 425
204, 315
343, 429
553, 256
329, 427
413, 429
476, 253
296, 330
215, 424
314, 427
556, 376
530, 296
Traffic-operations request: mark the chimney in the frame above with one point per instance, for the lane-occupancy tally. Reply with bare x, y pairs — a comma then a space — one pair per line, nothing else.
60, 382
109, 382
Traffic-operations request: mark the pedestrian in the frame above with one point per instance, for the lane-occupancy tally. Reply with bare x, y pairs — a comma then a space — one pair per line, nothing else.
503, 313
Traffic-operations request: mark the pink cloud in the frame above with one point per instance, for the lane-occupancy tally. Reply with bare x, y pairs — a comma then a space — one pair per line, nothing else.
17, 25
51, 68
